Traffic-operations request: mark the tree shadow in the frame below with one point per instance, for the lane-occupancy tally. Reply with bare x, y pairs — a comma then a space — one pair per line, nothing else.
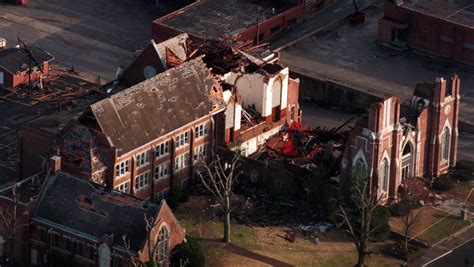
243, 252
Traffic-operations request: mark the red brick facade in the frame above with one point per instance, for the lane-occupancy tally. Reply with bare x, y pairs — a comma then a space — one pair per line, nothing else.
47, 238
185, 170
389, 145
426, 32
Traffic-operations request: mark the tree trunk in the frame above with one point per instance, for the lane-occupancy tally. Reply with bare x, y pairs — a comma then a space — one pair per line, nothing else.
227, 220
405, 244
361, 261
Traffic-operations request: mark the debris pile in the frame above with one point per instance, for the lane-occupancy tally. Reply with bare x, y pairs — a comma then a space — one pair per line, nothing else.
305, 147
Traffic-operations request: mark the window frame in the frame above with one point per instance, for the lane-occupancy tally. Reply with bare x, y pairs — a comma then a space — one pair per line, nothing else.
162, 171
162, 149
143, 159
122, 168
142, 181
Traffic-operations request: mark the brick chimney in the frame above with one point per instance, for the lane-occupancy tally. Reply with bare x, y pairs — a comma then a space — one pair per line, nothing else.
55, 163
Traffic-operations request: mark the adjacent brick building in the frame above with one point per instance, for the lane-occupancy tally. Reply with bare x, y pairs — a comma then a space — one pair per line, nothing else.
245, 20
442, 28
79, 222
15, 65
65, 220
393, 143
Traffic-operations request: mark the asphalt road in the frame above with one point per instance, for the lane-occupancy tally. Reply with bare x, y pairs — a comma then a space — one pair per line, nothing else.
332, 14
93, 36
462, 256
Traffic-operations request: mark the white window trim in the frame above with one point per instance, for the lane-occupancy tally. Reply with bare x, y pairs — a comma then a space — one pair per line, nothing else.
162, 165
117, 175
147, 159
166, 144
145, 185
122, 184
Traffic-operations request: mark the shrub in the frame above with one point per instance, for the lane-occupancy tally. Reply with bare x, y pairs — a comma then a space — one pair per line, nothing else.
380, 220
396, 251
190, 252
175, 195
396, 210
463, 175
465, 165
443, 183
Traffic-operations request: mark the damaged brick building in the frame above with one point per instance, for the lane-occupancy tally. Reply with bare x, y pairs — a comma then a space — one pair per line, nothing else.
18, 68
187, 99
393, 143
257, 21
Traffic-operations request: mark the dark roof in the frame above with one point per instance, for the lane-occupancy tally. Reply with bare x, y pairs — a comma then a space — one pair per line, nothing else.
424, 90
86, 208
14, 59
456, 11
216, 18
157, 106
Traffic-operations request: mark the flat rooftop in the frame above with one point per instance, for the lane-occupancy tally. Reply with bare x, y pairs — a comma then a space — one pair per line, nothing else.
456, 11
350, 56
216, 18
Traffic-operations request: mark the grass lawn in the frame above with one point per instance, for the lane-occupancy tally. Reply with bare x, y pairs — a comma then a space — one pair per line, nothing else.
443, 225
461, 192
258, 246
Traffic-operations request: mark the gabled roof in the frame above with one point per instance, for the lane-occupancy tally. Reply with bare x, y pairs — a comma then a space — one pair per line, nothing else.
157, 106
86, 209
15, 60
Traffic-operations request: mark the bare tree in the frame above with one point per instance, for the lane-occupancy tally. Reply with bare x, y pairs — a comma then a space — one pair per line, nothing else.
410, 219
360, 223
10, 220
219, 178
152, 247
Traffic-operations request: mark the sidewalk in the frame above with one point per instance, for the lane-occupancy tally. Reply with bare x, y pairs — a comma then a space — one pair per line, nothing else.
444, 247
451, 206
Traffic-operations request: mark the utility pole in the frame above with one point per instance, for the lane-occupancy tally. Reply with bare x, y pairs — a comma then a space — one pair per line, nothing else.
258, 30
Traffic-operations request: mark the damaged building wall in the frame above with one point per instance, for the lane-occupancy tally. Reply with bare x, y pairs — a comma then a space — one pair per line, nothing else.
32, 143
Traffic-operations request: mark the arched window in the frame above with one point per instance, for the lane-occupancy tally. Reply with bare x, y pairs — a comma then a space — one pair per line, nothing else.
407, 161
384, 170
163, 244
360, 167
445, 144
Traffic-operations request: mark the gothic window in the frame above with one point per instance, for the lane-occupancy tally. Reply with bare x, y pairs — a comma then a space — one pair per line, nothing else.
384, 172
163, 244
360, 167
407, 162
445, 144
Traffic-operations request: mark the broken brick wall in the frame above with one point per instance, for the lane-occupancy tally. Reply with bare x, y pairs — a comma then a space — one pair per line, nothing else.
33, 143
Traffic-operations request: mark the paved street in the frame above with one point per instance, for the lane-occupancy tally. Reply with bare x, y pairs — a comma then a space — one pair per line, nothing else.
461, 256
92, 36
331, 15
349, 56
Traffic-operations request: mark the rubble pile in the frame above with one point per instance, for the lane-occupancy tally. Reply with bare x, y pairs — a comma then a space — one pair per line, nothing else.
305, 147
260, 208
